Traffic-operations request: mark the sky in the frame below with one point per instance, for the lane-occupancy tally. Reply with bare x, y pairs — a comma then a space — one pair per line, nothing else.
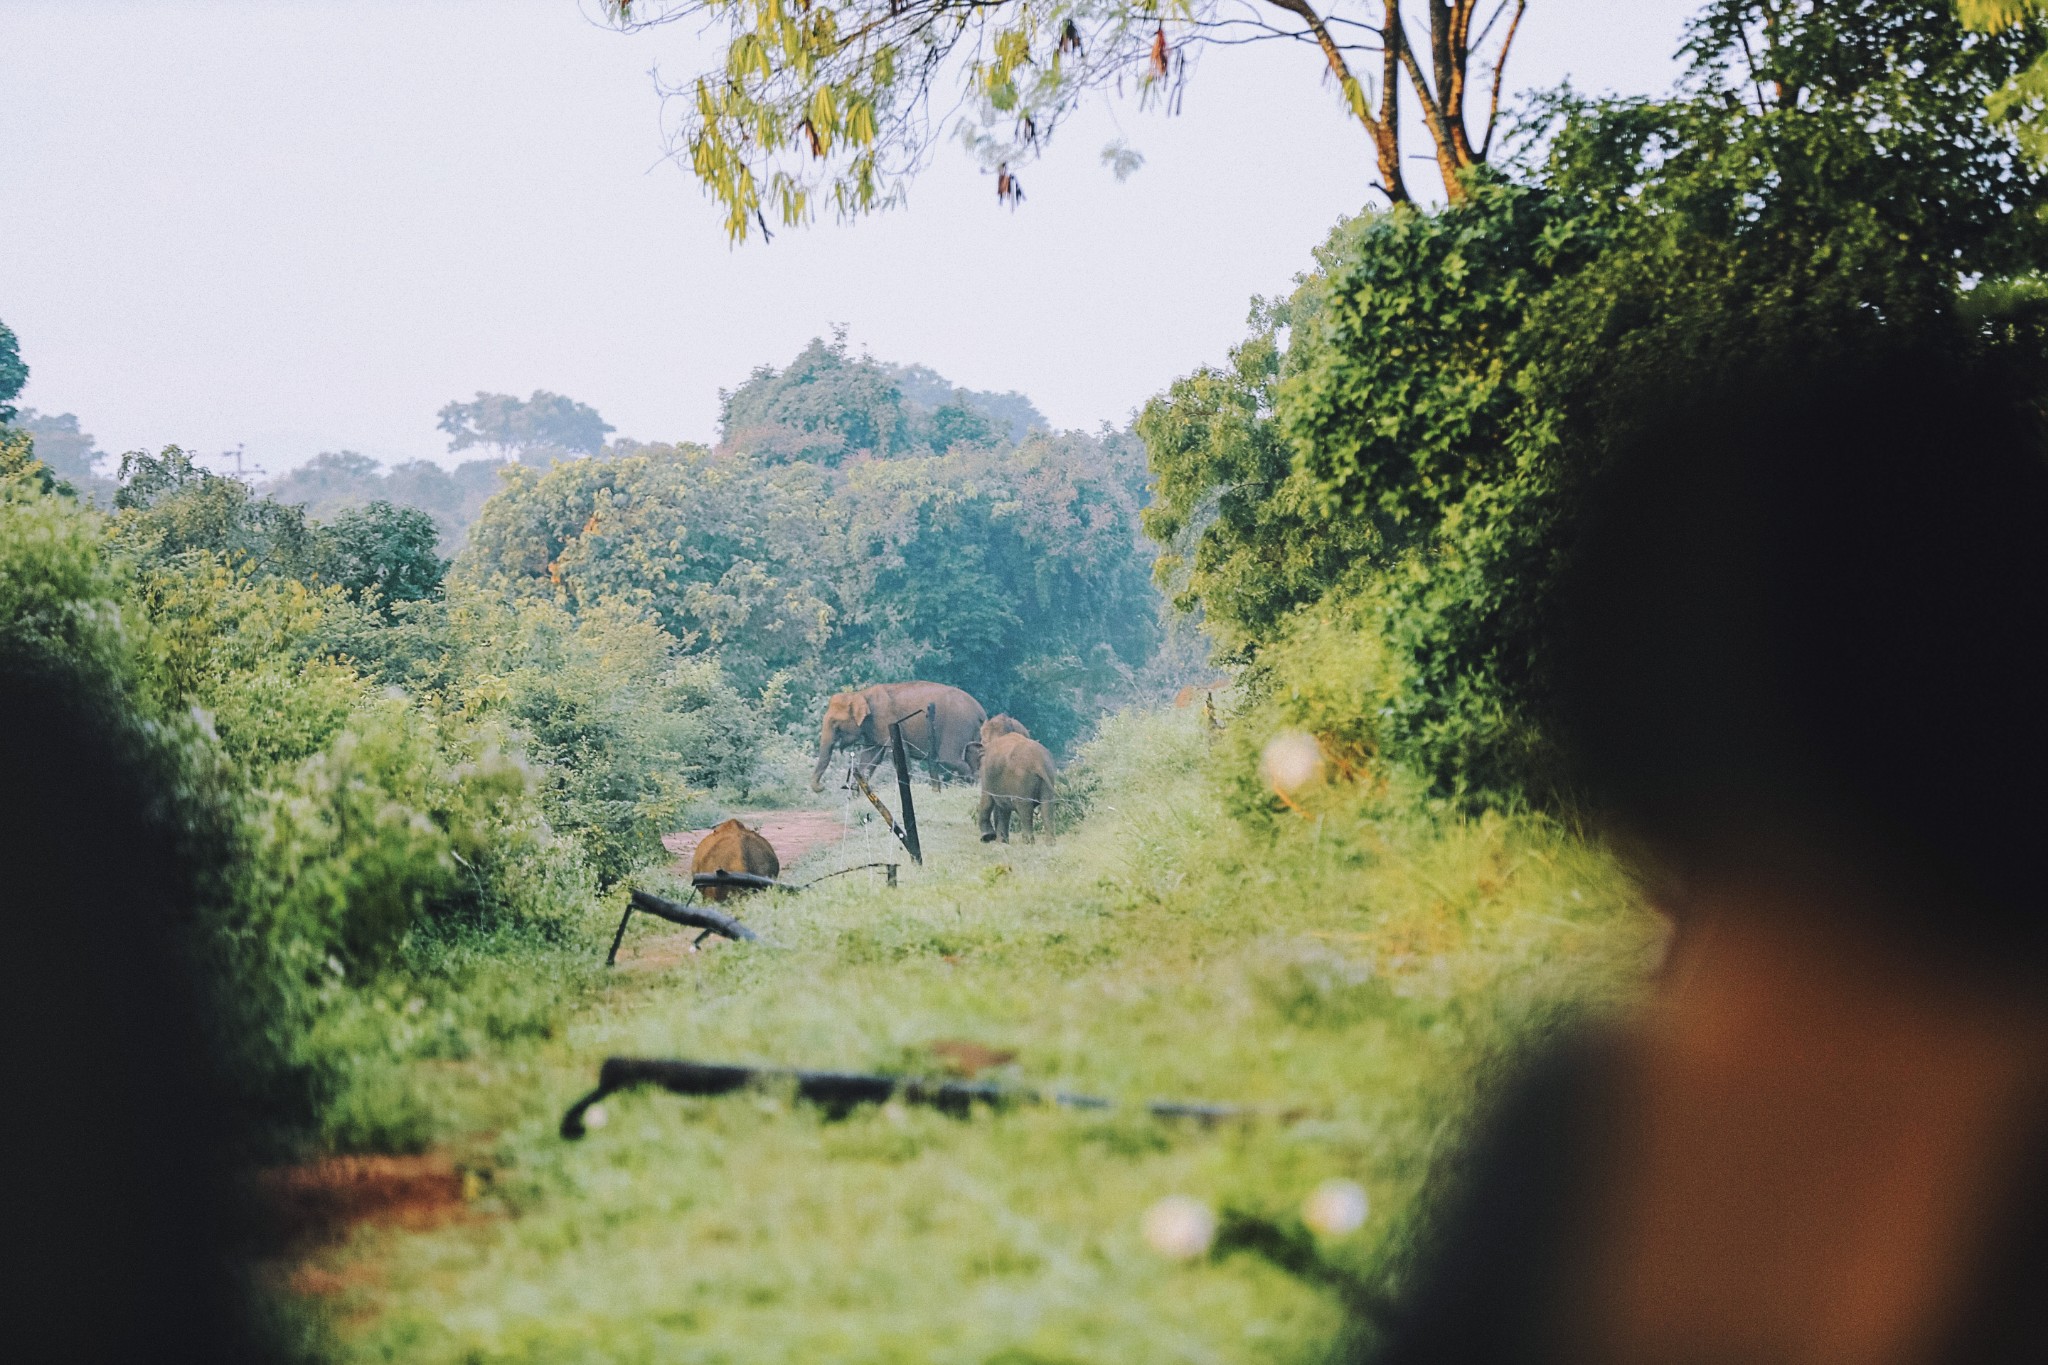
305, 225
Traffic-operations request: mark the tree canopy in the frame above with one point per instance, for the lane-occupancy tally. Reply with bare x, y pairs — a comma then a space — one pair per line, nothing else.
13, 372
545, 423
1825, 177
828, 405
1015, 572
334, 481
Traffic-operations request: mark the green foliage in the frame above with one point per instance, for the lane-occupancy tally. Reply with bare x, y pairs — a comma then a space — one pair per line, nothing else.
355, 820
591, 695
1246, 532
173, 507
823, 407
1015, 572
60, 596
839, 105
1012, 413
1349, 978
1825, 178
546, 423
18, 457
13, 373
70, 454
2022, 102
336, 481
384, 555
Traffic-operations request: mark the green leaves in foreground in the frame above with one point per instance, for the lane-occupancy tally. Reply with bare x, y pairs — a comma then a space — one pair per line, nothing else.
1413, 453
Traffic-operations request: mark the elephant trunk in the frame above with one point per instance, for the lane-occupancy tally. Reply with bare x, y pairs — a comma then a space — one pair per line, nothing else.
826, 744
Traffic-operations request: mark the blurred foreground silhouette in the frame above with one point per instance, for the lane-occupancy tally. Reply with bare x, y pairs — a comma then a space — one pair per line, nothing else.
121, 1208
1802, 687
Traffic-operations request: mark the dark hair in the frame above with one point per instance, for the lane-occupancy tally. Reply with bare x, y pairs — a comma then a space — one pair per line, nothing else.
123, 1208
1804, 625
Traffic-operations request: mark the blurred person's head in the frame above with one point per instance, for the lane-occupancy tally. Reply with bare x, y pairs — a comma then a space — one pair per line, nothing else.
1800, 674
118, 1215
1803, 640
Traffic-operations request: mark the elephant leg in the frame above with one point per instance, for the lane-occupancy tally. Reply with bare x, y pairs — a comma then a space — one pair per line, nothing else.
985, 816
1003, 820
1026, 809
870, 758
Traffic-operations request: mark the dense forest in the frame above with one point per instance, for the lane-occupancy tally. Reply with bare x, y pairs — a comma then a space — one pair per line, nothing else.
427, 717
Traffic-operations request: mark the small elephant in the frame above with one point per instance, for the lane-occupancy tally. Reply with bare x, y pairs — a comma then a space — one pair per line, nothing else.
1016, 781
990, 728
732, 847
939, 725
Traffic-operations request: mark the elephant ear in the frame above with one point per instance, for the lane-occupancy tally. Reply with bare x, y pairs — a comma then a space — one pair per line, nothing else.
858, 709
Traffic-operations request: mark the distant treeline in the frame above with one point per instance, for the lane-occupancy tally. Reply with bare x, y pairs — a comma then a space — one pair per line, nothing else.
824, 407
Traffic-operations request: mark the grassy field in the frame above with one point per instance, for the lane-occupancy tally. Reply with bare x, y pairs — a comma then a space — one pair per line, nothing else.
1347, 976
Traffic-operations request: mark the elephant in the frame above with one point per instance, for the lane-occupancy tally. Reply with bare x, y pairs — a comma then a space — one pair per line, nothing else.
1016, 781
732, 847
990, 728
861, 720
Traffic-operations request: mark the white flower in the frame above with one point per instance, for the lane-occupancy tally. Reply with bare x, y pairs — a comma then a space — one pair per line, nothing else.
595, 1117
1291, 761
1179, 1228
1336, 1208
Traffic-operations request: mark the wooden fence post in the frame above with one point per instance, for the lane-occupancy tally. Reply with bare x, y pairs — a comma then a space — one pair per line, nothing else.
910, 843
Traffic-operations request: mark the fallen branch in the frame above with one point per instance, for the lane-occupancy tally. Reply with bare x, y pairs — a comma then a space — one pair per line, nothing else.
711, 921
840, 1091
697, 917
752, 881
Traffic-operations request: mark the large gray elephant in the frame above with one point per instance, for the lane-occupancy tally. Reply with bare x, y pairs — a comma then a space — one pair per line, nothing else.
1016, 780
861, 720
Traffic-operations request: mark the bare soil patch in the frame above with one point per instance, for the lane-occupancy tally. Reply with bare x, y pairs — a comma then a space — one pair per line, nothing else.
794, 833
959, 1057
321, 1202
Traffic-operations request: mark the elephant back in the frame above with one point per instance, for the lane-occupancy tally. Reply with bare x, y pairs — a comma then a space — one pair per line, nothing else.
733, 847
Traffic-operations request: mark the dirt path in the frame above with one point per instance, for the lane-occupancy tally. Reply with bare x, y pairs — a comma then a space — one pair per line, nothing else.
794, 833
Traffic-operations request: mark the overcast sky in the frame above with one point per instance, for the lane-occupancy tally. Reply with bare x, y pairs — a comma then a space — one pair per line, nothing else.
304, 225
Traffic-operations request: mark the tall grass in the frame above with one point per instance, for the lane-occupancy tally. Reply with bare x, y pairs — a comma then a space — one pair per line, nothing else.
1346, 973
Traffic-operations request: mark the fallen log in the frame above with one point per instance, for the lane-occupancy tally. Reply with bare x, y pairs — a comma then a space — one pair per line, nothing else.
711, 921
697, 916
839, 1091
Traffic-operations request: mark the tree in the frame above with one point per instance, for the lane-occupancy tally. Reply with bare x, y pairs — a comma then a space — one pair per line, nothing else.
828, 405
544, 424
383, 555
168, 507
1017, 572
330, 482
334, 481
824, 406
13, 373
1246, 533
1012, 412
2022, 102
835, 102
1824, 178
69, 451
